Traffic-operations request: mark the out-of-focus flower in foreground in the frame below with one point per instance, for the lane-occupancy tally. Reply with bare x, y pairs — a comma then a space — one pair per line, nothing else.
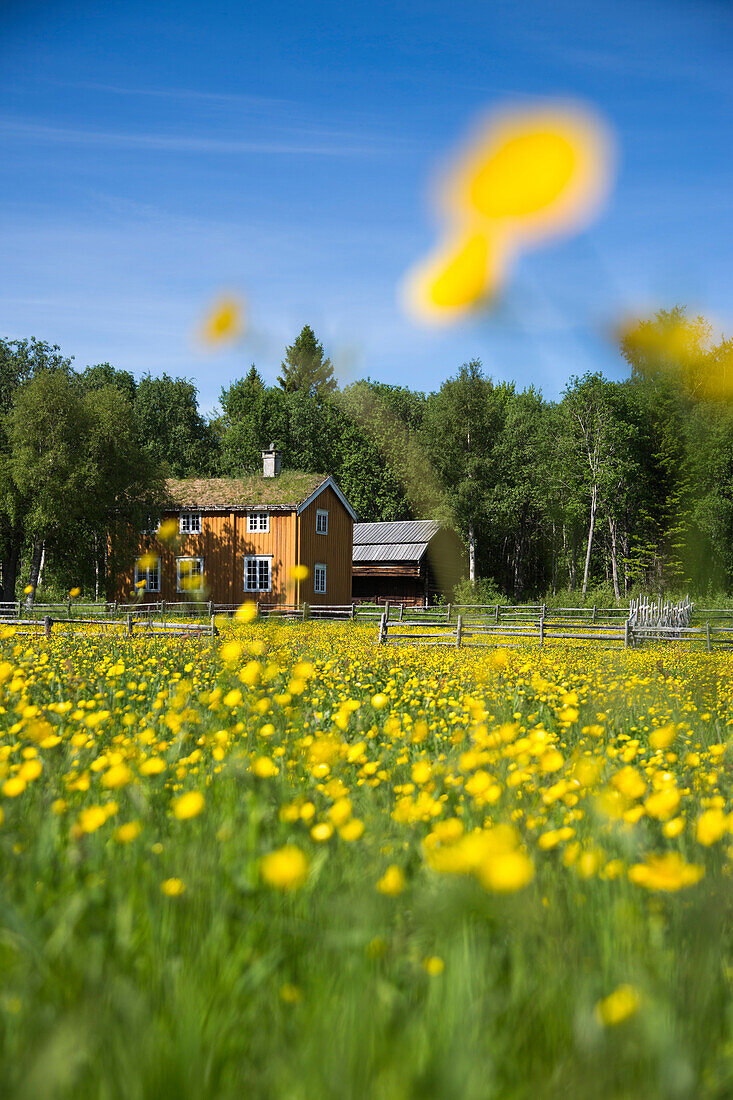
525, 175
225, 321
618, 1006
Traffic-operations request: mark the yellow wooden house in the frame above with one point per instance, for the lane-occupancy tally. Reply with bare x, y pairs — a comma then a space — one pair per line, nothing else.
229, 540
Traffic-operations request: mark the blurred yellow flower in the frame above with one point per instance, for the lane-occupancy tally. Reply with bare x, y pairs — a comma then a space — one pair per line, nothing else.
188, 805
173, 887
618, 1006
392, 881
168, 530
127, 832
299, 573
27, 590
74, 592
224, 322
525, 175
667, 872
119, 775
433, 965
246, 613
285, 869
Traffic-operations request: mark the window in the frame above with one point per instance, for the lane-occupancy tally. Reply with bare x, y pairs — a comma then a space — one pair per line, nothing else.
319, 579
190, 523
190, 573
257, 574
321, 522
258, 521
150, 575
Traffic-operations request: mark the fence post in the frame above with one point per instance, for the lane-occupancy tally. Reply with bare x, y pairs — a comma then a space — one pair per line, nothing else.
129, 625
459, 631
707, 636
382, 629
542, 626
449, 610
353, 611
19, 604
47, 624
594, 613
68, 609
386, 610
211, 608
626, 633
306, 612
213, 626
497, 613
402, 611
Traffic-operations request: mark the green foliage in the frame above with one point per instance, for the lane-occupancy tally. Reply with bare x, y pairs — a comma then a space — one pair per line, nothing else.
483, 591
172, 431
305, 368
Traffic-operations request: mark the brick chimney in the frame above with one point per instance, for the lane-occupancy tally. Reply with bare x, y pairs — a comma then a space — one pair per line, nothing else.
270, 462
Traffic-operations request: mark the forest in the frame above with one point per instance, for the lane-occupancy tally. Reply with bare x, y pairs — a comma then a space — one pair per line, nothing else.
614, 488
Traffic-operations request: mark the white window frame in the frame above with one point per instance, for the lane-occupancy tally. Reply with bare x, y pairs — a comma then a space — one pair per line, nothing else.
319, 570
189, 523
179, 561
258, 522
144, 574
320, 513
257, 559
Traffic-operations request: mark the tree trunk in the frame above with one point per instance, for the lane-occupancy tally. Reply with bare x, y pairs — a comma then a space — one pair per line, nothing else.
614, 557
591, 528
471, 553
35, 570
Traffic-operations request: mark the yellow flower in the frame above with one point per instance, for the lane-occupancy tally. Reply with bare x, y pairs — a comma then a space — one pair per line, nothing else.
341, 811
506, 872
290, 993
662, 738
188, 805
246, 613
30, 770
322, 832
27, 590
618, 1006
285, 869
352, 830
665, 872
711, 826
92, 819
119, 775
299, 573
152, 766
433, 965
224, 322
173, 887
392, 881
379, 701
167, 530
127, 832
230, 652
13, 787
264, 768
74, 592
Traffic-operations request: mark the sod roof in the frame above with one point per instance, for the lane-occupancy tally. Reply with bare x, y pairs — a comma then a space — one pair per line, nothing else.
286, 491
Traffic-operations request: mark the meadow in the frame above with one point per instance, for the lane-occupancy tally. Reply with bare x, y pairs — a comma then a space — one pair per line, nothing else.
286, 863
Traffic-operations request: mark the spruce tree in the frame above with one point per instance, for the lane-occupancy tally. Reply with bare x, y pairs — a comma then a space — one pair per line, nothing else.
305, 368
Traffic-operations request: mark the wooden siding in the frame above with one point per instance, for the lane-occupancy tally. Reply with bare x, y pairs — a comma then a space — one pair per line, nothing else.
333, 550
224, 543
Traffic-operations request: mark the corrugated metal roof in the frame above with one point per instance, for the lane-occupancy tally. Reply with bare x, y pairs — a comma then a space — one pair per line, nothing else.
407, 532
390, 551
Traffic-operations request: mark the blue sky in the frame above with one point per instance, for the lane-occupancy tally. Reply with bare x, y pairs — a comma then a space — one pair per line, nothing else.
156, 154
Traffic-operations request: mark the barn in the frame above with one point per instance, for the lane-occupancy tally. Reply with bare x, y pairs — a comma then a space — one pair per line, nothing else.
234, 539
409, 561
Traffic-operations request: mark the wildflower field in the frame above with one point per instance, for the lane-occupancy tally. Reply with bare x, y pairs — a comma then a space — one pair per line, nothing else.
286, 863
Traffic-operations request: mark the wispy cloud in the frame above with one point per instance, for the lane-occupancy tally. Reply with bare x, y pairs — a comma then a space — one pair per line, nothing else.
306, 142
190, 94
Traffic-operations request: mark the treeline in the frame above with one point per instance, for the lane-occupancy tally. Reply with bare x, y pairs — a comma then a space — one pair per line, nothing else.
618, 486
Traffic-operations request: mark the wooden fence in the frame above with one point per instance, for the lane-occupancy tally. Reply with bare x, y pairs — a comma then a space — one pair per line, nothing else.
470, 630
